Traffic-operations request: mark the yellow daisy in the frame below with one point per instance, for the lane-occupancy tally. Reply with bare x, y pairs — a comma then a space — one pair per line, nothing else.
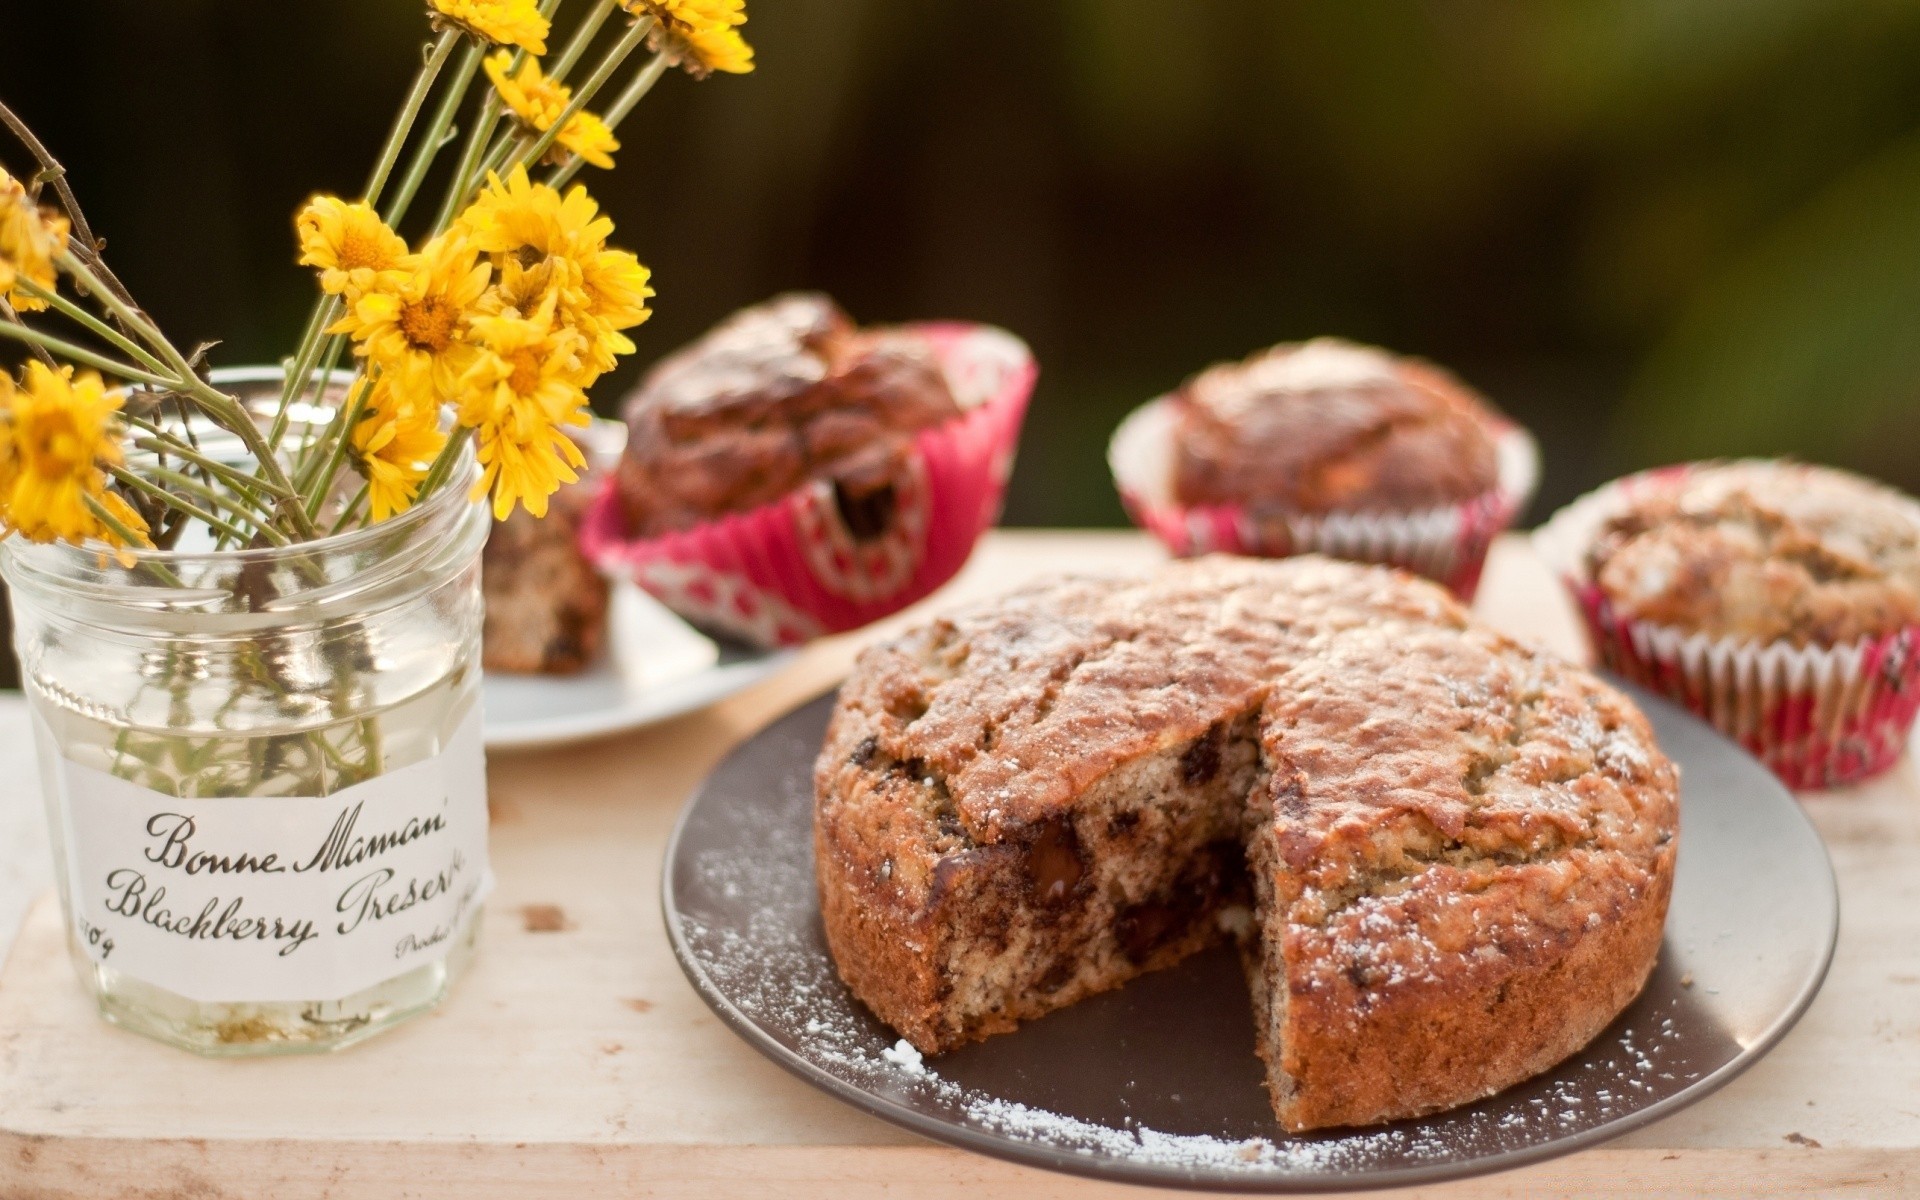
414, 329
618, 286
394, 446
502, 22
59, 431
546, 245
31, 237
516, 215
9, 457
532, 237
700, 35
518, 399
350, 244
538, 102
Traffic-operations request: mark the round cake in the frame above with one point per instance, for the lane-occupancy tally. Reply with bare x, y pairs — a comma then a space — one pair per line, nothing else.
1446, 856
1762, 552
1330, 426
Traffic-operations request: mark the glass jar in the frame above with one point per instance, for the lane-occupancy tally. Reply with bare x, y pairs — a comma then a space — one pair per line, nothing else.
264, 775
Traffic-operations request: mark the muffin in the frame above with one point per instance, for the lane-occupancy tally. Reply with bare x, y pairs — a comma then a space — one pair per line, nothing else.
791, 474
1778, 599
1446, 856
1326, 446
775, 396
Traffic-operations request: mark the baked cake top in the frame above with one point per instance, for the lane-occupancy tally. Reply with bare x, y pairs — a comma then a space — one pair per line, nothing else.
1763, 551
1328, 425
1397, 731
774, 396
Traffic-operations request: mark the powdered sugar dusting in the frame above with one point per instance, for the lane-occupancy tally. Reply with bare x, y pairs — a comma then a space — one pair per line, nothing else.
748, 913
902, 1054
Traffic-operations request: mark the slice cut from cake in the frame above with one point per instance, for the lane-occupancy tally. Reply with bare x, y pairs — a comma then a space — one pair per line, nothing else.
1457, 850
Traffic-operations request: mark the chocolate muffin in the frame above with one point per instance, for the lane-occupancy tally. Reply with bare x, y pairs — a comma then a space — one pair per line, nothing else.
1446, 856
773, 398
1763, 552
1310, 428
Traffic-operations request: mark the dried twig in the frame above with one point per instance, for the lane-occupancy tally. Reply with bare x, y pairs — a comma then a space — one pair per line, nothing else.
85, 246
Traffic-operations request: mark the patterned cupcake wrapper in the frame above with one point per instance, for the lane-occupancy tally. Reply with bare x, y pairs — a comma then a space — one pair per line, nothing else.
791, 570
1817, 716
1447, 544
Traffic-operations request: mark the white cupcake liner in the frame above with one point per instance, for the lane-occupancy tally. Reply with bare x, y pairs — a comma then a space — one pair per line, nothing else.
1448, 544
1817, 716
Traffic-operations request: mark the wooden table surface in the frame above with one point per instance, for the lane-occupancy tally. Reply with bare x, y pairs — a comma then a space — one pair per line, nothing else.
575, 1060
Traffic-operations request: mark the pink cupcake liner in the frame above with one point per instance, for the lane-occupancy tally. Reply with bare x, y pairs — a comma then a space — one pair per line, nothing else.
1447, 544
1817, 716
790, 571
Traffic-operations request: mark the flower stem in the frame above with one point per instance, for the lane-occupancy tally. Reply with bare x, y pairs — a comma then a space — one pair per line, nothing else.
336, 456
629, 41
221, 407
80, 354
436, 135
309, 445
466, 174
120, 530
461, 186
130, 317
409, 111
55, 173
351, 510
166, 443
321, 316
443, 465
582, 38
95, 325
180, 503
9, 317
212, 495
302, 364
636, 91
501, 150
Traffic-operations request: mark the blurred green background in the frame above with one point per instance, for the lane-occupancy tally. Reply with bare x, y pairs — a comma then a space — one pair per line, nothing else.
1649, 229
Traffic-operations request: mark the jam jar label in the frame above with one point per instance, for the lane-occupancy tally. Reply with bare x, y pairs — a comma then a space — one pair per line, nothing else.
278, 898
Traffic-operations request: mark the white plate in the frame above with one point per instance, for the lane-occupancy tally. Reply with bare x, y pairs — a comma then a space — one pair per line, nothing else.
656, 666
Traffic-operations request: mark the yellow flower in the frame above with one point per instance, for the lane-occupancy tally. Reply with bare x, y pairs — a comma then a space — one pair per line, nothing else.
538, 102
617, 286
57, 432
350, 244
502, 22
518, 399
31, 237
394, 445
414, 328
546, 246
700, 35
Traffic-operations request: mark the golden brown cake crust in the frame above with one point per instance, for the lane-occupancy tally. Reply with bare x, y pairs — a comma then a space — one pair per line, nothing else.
773, 397
1450, 836
1472, 844
1764, 551
1330, 426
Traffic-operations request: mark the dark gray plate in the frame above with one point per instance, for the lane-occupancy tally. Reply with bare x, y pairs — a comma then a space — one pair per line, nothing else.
1157, 1083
